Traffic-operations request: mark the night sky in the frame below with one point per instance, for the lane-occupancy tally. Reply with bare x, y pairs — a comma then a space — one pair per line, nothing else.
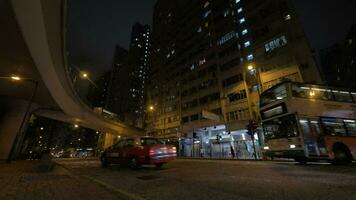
96, 26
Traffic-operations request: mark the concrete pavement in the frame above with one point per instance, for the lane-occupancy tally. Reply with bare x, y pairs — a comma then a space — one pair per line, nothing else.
215, 179
19, 180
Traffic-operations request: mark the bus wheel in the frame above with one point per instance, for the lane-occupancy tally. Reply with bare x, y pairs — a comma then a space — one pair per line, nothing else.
342, 155
301, 160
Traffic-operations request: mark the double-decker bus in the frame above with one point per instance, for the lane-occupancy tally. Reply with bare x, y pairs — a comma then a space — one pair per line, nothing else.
309, 122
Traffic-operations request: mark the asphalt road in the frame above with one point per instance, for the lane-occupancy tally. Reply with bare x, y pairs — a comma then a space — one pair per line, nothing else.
212, 179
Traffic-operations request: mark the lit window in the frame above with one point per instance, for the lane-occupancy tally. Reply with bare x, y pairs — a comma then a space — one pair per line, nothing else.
226, 37
226, 13
239, 10
250, 57
242, 20
246, 44
207, 13
206, 4
276, 43
199, 29
244, 32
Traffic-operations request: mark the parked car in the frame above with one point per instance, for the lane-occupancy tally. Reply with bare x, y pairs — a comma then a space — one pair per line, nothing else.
137, 151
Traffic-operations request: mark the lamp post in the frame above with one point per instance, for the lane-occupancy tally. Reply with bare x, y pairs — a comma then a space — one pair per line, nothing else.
19, 134
151, 109
253, 70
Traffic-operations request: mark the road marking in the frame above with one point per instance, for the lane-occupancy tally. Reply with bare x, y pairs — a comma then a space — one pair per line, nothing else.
122, 192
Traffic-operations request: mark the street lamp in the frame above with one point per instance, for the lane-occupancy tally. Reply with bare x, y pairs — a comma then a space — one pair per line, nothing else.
84, 75
76, 125
15, 78
19, 133
151, 108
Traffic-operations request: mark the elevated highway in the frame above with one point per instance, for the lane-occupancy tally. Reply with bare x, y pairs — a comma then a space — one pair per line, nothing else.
33, 47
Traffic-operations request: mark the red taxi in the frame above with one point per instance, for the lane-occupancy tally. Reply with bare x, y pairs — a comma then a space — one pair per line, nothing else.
137, 151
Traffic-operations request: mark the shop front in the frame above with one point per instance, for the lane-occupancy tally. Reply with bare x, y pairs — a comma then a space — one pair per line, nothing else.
216, 142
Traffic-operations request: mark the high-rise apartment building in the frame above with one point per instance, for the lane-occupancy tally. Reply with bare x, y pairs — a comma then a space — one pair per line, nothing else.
110, 92
139, 62
210, 61
339, 62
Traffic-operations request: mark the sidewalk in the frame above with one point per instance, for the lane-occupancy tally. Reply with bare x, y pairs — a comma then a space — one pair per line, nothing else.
18, 180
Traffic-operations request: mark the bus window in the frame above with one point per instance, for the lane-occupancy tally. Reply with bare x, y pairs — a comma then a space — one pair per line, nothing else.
299, 91
334, 128
305, 127
273, 95
353, 96
342, 96
283, 127
351, 127
312, 93
314, 124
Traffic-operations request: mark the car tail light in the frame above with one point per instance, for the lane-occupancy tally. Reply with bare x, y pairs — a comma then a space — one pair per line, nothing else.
151, 152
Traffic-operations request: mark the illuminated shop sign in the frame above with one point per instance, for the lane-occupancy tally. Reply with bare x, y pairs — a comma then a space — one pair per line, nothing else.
276, 43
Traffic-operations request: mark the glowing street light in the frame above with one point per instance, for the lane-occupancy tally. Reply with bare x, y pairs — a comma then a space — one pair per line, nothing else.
41, 128
84, 75
250, 68
151, 108
16, 78
76, 125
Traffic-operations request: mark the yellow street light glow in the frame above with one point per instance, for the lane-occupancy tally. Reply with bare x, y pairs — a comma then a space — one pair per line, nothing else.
85, 75
16, 78
76, 125
152, 108
250, 67
41, 128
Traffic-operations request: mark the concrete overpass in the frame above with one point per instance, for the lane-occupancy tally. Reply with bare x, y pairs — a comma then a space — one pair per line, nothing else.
33, 47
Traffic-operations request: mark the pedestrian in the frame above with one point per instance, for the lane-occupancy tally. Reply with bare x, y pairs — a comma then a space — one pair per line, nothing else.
232, 151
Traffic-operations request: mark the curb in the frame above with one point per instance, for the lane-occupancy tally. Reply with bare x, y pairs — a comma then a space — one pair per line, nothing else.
232, 160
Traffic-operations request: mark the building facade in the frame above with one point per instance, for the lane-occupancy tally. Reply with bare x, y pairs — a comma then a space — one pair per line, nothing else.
339, 62
211, 60
110, 94
139, 62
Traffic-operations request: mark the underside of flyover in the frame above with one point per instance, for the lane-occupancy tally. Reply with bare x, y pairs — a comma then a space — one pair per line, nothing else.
32, 46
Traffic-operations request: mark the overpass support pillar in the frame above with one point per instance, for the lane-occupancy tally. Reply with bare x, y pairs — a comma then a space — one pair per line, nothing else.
106, 140
12, 117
